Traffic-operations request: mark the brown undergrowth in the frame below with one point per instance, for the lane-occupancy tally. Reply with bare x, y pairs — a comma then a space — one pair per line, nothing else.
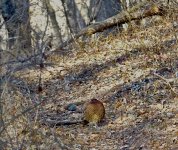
134, 73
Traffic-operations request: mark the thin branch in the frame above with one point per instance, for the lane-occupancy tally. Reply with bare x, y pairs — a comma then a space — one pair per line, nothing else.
166, 81
19, 115
53, 123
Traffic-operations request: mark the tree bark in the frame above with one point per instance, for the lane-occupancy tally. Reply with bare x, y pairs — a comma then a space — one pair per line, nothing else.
74, 19
100, 10
52, 15
16, 17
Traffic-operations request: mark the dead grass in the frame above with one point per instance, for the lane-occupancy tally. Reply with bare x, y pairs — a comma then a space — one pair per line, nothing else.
141, 109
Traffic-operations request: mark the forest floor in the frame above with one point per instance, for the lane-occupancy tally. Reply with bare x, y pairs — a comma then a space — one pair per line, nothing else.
135, 75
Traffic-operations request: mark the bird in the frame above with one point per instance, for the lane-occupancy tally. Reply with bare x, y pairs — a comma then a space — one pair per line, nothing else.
94, 112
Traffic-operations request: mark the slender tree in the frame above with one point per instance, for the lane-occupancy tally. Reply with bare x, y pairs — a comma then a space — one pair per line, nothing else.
75, 21
100, 10
55, 25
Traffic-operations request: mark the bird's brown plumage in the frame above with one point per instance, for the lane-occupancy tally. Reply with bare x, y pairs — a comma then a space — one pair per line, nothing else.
94, 111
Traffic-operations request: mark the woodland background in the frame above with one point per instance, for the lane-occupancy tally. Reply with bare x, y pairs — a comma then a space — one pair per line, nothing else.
57, 55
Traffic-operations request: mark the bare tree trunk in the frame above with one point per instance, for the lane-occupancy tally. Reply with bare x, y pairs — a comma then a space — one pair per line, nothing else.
16, 17
52, 15
8, 11
74, 19
103, 9
24, 31
100, 10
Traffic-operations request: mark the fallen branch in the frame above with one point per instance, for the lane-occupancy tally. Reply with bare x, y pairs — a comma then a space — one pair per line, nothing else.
166, 81
53, 123
140, 11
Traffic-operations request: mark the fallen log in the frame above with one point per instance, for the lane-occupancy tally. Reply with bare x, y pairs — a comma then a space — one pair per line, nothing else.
140, 11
